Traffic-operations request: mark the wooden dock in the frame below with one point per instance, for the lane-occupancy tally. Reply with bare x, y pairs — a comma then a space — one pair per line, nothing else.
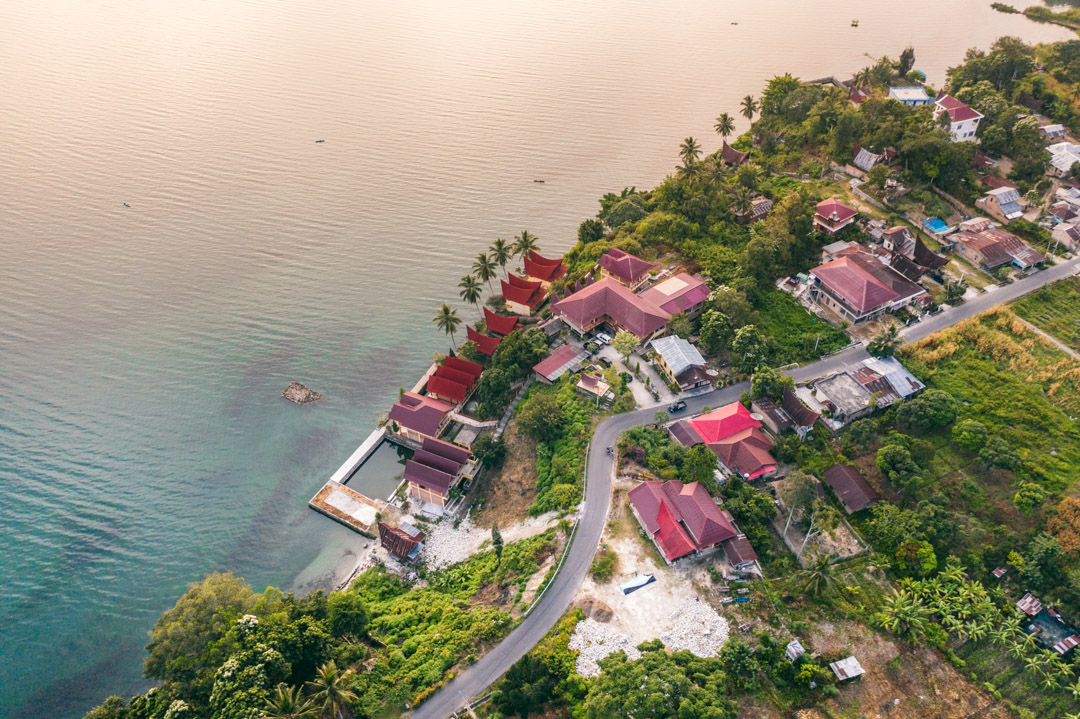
350, 508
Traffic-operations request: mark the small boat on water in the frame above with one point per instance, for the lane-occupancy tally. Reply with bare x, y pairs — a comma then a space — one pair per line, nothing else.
540, 181
734, 23
854, 23
318, 141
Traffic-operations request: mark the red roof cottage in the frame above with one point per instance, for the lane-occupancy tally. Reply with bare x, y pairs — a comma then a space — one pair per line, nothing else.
734, 436
859, 286
851, 488
484, 344
832, 215
624, 268
681, 293
540, 269
609, 302
499, 324
683, 519
418, 416
435, 469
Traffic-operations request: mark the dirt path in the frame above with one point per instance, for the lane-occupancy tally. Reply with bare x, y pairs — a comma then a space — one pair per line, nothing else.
1053, 340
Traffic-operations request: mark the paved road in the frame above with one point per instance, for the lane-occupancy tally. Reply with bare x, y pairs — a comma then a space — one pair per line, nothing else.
600, 471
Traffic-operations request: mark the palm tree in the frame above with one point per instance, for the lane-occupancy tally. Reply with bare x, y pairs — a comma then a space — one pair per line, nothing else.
902, 614
689, 151
1016, 650
288, 703
500, 252
524, 244
818, 578
724, 126
471, 290
447, 320
742, 199
861, 78
328, 689
1075, 688
483, 268
689, 172
749, 107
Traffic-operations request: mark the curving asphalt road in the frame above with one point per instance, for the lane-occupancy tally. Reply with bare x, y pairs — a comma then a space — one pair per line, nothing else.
600, 470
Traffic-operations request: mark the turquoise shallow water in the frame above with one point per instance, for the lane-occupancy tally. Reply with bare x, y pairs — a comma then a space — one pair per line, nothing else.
143, 349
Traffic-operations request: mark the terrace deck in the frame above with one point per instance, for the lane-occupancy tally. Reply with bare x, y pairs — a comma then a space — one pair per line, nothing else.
349, 507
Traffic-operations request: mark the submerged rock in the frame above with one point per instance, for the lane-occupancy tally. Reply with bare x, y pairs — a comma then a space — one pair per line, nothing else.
300, 394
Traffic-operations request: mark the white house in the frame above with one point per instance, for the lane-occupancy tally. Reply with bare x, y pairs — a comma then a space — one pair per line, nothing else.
1062, 157
910, 96
963, 121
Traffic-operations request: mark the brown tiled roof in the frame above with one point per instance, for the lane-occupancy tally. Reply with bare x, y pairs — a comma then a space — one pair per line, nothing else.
608, 298
446, 449
834, 210
803, 415
738, 550
851, 488
420, 413
732, 156
625, 266
774, 412
446, 389
746, 452
864, 282
428, 477
905, 267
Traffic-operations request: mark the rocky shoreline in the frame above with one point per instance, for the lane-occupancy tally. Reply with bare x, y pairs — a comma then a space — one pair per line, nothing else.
300, 394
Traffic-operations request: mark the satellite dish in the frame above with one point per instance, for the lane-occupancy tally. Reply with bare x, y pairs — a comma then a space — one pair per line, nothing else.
757, 416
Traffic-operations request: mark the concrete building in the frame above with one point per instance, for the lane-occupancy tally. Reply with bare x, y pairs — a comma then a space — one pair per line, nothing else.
911, 96
963, 121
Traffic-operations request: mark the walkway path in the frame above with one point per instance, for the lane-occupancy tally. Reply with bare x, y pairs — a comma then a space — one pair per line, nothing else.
1053, 340
475, 679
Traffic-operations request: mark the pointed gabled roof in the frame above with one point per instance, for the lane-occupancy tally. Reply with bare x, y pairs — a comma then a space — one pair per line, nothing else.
625, 266
499, 324
419, 413
464, 366
486, 345
446, 389
747, 452
723, 422
732, 156
455, 375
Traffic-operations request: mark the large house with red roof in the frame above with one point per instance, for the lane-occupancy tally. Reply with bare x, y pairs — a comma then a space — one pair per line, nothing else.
682, 519
626, 269
832, 215
734, 436
608, 302
681, 293
435, 469
522, 296
416, 416
859, 286
540, 269
963, 121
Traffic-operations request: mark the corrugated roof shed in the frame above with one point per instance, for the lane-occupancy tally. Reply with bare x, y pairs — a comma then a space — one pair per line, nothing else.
565, 359
848, 668
678, 354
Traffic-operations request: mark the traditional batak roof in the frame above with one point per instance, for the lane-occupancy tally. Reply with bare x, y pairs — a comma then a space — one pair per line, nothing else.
486, 345
522, 291
851, 488
678, 293
607, 298
681, 517
464, 365
624, 266
555, 365
732, 156
455, 375
864, 282
834, 210
544, 269
499, 324
958, 111
446, 389
747, 452
419, 413
925, 257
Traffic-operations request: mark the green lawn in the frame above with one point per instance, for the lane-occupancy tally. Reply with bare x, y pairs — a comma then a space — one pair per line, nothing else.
795, 331
1055, 309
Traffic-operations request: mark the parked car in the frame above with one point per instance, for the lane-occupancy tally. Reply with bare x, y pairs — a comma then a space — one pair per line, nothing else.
676, 407
604, 361
603, 338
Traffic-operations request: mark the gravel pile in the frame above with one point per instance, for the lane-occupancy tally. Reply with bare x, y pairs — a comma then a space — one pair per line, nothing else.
446, 545
594, 641
693, 625
696, 626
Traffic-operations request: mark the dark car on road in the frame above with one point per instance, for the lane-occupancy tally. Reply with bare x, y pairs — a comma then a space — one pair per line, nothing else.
676, 407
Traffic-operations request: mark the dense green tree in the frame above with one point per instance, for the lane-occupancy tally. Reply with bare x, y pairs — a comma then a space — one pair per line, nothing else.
483, 268
749, 348
716, 331
490, 451
907, 61
931, 410
680, 325
500, 252
471, 290
770, 383
689, 151
625, 213
497, 542
347, 615
896, 465
969, 435
916, 557
819, 577
590, 231
903, 614
526, 687
541, 416
996, 452
1029, 497
624, 343
885, 343
749, 106
525, 243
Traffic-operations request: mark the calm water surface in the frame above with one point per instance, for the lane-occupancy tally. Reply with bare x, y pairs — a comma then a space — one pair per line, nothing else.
143, 349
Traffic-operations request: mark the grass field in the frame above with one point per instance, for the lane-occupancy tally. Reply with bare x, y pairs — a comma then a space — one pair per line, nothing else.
795, 331
1017, 383
1055, 309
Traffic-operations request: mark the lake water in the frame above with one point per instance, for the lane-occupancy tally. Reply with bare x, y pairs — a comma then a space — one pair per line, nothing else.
143, 348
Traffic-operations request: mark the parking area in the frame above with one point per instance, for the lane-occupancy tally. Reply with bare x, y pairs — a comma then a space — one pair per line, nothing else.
641, 393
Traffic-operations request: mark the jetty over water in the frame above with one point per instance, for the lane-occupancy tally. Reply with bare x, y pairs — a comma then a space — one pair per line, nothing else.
345, 505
